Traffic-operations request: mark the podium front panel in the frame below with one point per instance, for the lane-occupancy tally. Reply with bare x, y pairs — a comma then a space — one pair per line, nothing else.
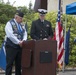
49, 57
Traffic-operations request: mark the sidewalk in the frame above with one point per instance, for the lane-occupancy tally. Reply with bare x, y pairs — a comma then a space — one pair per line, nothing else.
60, 73
68, 71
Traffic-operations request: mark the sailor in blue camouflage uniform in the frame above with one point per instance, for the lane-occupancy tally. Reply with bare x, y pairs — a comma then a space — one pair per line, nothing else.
15, 35
41, 29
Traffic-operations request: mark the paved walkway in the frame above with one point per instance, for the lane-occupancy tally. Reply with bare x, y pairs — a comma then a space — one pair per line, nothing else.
60, 73
66, 72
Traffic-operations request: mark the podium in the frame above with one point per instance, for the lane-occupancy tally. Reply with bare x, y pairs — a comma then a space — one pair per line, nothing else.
39, 57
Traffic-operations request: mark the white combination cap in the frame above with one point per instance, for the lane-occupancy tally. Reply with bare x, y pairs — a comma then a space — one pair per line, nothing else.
42, 11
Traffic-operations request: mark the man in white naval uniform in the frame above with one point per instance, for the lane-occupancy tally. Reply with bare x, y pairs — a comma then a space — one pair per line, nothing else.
15, 35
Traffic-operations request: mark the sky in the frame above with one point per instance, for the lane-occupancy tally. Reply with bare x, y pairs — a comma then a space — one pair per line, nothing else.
20, 2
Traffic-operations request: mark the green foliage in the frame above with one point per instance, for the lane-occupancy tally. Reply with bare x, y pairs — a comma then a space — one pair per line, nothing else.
23, 9
71, 20
2, 33
6, 12
3, 18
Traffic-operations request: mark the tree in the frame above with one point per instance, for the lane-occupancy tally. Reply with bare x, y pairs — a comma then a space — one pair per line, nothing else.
6, 12
1, 1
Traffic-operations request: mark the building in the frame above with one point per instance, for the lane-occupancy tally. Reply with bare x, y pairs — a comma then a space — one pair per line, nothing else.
51, 5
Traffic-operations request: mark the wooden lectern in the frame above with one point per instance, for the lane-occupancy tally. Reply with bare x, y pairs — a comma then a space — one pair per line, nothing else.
39, 57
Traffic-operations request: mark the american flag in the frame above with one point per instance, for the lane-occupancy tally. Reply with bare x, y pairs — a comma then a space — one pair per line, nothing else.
59, 38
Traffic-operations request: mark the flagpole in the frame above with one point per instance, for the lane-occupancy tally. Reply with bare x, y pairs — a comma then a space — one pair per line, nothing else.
61, 9
64, 41
63, 67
